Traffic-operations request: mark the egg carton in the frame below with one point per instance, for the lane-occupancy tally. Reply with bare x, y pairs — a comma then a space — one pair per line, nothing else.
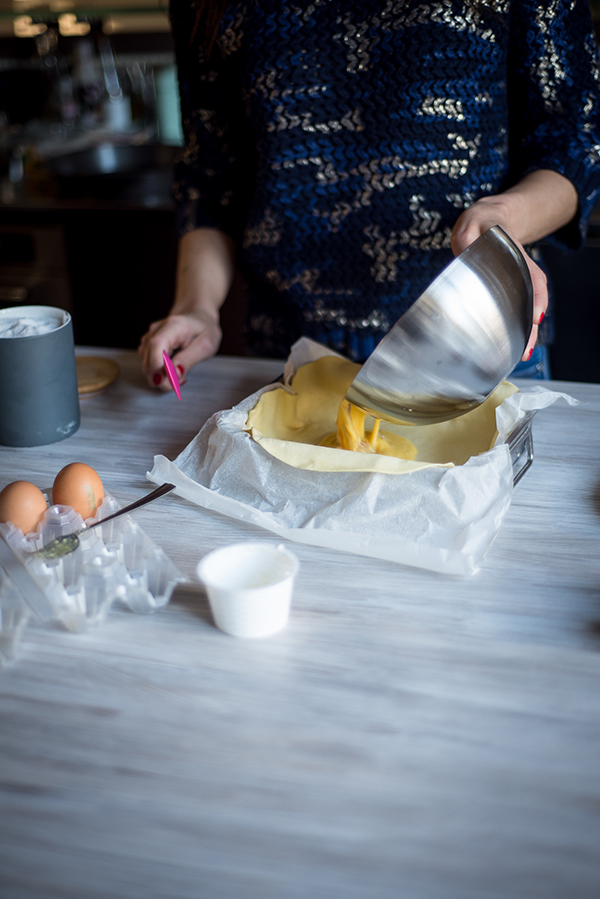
114, 563
14, 615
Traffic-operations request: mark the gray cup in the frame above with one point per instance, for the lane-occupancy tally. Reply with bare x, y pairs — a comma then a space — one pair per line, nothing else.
39, 401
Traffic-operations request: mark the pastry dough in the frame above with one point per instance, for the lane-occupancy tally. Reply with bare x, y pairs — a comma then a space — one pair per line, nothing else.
290, 421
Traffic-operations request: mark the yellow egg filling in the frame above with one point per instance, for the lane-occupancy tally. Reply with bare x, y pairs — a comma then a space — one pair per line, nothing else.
352, 435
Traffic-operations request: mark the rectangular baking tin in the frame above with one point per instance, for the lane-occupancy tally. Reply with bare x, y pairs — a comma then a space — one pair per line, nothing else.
520, 444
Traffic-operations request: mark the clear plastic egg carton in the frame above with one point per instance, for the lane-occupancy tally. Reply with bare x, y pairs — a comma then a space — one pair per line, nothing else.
114, 562
14, 615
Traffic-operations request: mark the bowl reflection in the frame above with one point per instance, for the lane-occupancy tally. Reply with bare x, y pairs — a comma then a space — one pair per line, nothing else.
456, 343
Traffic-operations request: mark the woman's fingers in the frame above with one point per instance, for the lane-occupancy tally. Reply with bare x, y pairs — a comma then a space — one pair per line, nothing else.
471, 224
202, 345
540, 302
188, 339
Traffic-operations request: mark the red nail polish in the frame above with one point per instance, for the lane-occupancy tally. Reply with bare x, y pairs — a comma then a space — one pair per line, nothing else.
541, 318
530, 354
180, 371
157, 379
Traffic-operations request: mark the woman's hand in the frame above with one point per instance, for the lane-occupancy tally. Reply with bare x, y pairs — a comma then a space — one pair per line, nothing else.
478, 218
188, 339
191, 332
535, 207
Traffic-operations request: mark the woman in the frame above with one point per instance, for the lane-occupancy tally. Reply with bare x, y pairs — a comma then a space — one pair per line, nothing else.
339, 152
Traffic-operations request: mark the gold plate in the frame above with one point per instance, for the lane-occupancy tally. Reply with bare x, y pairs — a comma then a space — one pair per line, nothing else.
95, 374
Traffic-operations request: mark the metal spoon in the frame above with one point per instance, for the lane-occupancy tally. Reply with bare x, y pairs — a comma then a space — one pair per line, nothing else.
62, 546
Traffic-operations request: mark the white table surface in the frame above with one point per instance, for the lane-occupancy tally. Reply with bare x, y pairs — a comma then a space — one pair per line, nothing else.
408, 735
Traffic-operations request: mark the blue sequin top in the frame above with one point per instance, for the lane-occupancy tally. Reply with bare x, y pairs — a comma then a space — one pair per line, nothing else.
338, 141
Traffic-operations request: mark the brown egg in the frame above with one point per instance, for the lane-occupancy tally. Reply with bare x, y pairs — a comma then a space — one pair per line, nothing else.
79, 486
23, 504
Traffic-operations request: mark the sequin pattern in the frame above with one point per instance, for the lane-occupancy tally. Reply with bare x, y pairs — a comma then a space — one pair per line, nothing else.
339, 140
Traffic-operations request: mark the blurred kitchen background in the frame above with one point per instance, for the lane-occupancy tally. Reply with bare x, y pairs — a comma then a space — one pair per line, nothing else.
89, 130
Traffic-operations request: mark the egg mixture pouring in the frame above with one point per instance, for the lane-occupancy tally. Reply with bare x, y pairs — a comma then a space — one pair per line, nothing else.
351, 434
309, 424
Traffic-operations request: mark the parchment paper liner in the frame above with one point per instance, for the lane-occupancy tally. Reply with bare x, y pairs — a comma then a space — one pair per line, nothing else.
438, 518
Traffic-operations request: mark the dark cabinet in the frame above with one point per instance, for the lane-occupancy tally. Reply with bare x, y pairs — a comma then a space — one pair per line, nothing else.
122, 273
112, 268
575, 284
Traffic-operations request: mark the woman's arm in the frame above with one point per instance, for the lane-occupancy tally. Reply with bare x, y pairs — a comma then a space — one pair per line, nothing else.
213, 183
541, 203
191, 332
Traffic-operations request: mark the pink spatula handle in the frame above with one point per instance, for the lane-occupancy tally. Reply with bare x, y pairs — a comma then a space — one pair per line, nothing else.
171, 374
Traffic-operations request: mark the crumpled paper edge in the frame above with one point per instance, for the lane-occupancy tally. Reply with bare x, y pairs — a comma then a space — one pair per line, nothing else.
474, 539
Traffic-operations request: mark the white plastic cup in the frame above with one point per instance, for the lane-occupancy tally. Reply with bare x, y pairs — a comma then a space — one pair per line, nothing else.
249, 587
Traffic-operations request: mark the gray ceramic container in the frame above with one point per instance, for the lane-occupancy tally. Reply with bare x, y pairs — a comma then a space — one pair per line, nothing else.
39, 401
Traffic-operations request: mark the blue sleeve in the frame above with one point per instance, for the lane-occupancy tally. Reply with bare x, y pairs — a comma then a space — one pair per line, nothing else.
554, 101
214, 173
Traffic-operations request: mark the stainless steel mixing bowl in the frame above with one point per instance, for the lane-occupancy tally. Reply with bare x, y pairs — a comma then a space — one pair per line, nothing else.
456, 343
